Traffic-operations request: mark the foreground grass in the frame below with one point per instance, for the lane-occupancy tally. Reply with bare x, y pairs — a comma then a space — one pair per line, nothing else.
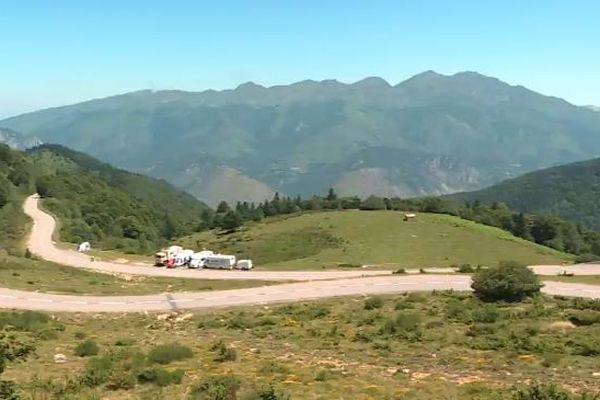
411, 347
353, 238
38, 275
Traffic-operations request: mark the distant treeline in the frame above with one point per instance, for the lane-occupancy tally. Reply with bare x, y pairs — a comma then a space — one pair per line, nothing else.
549, 231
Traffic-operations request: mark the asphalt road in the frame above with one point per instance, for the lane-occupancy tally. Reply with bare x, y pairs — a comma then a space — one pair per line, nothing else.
41, 244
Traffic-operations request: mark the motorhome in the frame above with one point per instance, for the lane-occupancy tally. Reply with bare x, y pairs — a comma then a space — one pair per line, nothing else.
220, 261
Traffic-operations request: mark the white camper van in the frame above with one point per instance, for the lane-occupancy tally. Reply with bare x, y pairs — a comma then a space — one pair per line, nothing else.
220, 261
198, 259
245, 265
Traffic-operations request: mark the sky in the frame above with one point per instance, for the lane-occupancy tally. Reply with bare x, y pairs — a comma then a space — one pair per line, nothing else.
60, 52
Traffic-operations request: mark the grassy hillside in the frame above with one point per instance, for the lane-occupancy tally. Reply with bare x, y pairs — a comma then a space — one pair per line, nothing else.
570, 191
328, 239
410, 347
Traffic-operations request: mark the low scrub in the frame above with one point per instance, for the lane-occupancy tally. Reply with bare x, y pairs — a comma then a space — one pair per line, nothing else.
223, 352
160, 376
584, 317
87, 348
373, 303
216, 388
168, 353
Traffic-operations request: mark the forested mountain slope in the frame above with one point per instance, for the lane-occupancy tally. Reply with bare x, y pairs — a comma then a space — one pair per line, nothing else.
571, 191
93, 200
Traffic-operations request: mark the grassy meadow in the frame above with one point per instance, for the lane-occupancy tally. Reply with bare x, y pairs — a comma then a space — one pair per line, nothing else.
410, 347
378, 238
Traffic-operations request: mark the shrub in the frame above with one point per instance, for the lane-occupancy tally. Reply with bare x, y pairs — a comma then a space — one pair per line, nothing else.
120, 379
87, 348
405, 325
465, 269
167, 353
268, 394
223, 352
509, 281
80, 335
586, 258
400, 271
373, 302
549, 392
28, 321
161, 376
216, 388
584, 317
97, 371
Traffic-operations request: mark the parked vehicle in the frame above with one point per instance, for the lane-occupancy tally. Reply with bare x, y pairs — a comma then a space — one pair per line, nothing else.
220, 261
245, 265
198, 259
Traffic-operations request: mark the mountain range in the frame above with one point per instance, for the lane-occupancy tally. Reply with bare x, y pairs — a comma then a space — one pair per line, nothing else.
431, 134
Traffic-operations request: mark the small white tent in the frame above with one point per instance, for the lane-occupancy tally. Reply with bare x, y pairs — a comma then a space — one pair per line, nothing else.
85, 246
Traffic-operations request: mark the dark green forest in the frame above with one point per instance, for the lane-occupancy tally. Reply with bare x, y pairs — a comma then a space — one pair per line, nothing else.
111, 208
569, 191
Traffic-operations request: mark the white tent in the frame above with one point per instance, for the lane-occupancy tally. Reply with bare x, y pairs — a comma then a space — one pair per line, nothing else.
85, 246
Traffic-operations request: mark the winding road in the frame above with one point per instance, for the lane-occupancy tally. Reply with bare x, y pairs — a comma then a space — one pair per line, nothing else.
313, 285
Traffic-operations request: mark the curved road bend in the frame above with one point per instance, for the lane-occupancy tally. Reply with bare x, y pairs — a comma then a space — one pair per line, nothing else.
260, 295
40, 243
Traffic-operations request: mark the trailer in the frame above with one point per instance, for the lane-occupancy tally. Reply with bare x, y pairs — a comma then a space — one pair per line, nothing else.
220, 261
198, 259
244, 265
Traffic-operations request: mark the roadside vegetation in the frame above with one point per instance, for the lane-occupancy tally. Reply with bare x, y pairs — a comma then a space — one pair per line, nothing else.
413, 346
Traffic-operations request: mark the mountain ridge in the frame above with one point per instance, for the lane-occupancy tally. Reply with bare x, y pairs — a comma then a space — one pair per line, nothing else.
276, 138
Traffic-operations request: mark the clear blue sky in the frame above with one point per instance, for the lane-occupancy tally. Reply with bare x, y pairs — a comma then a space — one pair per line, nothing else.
57, 52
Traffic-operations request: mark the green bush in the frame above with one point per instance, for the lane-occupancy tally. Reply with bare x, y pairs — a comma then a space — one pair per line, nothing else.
97, 371
404, 325
584, 317
216, 388
586, 258
28, 321
80, 335
223, 352
509, 281
167, 353
87, 348
373, 302
267, 394
160, 376
465, 269
549, 392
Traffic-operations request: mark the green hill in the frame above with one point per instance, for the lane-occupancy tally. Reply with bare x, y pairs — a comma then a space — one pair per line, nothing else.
570, 191
94, 201
330, 239
431, 134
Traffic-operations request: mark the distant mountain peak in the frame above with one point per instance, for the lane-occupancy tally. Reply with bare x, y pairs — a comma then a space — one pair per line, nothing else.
249, 86
374, 82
